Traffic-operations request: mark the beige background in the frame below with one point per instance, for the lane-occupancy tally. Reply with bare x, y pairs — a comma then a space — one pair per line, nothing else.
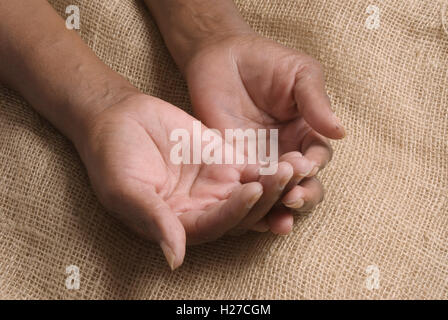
387, 188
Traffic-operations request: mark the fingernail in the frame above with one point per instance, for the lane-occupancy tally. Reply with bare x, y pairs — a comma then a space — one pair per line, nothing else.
169, 254
284, 182
252, 201
308, 171
313, 172
296, 204
339, 126
344, 133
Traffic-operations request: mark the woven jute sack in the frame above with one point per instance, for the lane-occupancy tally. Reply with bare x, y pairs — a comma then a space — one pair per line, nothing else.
381, 233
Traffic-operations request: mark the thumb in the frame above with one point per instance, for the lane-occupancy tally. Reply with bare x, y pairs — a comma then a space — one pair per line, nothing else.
313, 102
154, 219
170, 233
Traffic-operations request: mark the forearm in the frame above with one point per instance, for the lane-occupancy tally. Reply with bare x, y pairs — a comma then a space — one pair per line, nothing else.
188, 25
52, 67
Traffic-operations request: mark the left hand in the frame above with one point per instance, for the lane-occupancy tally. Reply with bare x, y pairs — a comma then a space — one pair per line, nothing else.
248, 81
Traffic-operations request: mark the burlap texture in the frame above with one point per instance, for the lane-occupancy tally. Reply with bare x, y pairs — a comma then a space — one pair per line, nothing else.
387, 187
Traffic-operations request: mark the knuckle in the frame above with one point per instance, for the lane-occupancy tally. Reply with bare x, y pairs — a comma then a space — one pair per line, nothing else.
309, 65
310, 71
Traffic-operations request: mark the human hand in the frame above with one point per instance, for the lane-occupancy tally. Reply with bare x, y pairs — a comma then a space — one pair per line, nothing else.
122, 136
248, 81
126, 149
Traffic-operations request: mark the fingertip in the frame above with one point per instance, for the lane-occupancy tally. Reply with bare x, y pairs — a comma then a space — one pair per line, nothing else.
321, 118
294, 204
285, 173
173, 243
337, 131
281, 222
294, 199
286, 167
253, 191
301, 165
173, 257
304, 167
313, 172
255, 187
164, 227
333, 130
317, 149
291, 156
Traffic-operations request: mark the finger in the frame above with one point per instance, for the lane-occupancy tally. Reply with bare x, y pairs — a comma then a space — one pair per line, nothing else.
151, 217
317, 149
207, 226
301, 166
250, 173
273, 187
305, 196
280, 220
261, 226
313, 102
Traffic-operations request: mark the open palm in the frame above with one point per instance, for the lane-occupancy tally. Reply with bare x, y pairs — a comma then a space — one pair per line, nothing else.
253, 82
127, 155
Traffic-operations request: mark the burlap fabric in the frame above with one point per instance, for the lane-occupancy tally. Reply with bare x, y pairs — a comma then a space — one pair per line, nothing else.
386, 201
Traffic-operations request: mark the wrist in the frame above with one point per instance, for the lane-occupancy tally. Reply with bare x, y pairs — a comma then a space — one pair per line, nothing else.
90, 107
188, 26
200, 45
228, 48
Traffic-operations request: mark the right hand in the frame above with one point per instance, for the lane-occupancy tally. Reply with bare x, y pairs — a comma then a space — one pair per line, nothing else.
126, 150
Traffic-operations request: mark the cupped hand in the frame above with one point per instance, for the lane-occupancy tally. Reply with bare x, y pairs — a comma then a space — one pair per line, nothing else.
248, 81
126, 150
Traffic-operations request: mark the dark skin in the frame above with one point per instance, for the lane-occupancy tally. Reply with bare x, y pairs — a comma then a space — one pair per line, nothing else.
239, 79
120, 133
